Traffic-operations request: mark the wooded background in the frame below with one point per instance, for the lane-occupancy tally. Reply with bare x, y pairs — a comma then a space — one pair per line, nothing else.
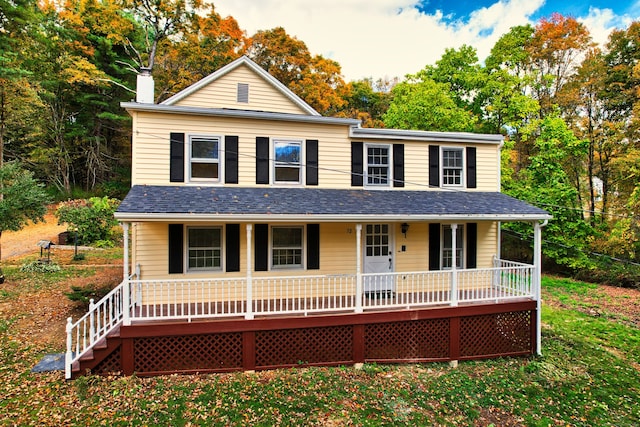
568, 108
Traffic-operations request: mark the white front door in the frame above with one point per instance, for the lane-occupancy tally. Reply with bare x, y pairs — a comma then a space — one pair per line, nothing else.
378, 258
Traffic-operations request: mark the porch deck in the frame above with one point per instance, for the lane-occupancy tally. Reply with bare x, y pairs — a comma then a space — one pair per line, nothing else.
309, 305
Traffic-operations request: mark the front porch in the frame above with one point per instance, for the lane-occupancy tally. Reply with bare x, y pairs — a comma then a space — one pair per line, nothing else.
219, 325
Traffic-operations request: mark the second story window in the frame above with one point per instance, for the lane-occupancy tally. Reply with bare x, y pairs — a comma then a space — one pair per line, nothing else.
204, 158
452, 166
378, 161
287, 162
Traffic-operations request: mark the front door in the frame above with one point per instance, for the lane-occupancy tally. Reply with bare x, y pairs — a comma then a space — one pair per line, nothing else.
378, 258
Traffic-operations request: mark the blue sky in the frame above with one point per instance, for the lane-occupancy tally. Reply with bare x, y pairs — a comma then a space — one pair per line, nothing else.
462, 9
392, 38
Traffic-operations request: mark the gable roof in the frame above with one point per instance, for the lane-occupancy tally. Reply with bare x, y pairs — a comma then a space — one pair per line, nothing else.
191, 203
243, 61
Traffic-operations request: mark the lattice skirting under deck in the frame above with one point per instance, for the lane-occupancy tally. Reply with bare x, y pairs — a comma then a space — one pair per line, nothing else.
470, 332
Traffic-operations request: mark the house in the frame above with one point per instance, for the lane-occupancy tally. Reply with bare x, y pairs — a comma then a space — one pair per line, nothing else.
264, 235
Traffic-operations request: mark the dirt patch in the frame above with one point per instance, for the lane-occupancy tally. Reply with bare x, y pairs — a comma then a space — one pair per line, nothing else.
18, 243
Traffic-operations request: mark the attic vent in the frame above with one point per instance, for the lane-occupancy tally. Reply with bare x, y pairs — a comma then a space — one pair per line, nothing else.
243, 92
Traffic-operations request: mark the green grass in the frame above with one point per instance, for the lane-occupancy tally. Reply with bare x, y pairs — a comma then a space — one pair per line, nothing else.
589, 375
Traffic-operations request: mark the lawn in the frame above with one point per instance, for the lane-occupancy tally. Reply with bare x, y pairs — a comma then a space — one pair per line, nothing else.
589, 374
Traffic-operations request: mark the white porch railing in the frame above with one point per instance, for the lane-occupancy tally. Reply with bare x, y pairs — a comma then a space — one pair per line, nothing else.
219, 298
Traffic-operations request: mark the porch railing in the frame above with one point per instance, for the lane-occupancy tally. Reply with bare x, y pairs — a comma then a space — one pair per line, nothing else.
217, 298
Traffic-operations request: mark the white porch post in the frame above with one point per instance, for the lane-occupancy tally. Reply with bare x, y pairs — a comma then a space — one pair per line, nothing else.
537, 275
126, 290
125, 235
249, 312
358, 268
454, 273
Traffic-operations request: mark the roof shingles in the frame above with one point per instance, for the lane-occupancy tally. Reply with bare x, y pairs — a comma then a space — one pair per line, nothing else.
176, 200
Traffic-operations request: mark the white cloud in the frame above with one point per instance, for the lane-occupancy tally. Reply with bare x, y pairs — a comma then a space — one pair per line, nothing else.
386, 38
600, 23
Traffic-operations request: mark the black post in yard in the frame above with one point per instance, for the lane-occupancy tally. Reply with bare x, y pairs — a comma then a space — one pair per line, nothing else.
75, 255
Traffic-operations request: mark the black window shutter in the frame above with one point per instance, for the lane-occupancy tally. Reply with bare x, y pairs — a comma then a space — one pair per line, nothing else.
313, 246
261, 243
434, 166
357, 168
472, 245
176, 155
262, 160
312, 161
232, 243
398, 165
176, 238
471, 167
434, 246
231, 159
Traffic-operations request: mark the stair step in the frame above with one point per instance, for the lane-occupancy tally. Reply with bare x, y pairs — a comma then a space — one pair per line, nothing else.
100, 344
88, 355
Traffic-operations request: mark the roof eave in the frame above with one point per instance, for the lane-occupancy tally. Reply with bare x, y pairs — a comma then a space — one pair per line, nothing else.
340, 218
241, 114
421, 135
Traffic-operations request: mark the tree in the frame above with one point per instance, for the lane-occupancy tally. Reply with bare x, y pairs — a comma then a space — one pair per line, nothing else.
554, 50
317, 80
545, 183
22, 199
423, 104
463, 74
210, 43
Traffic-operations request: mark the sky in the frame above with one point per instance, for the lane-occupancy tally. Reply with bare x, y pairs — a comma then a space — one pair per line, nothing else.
393, 38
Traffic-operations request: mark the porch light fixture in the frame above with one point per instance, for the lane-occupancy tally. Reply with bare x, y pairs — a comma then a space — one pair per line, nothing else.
404, 227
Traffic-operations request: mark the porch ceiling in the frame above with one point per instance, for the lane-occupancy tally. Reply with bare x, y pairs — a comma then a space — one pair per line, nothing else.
196, 203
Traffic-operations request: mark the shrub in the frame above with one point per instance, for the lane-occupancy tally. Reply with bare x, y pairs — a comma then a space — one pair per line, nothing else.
39, 267
83, 294
92, 219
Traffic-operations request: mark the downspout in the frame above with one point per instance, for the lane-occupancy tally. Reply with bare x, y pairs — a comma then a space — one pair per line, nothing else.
537, 272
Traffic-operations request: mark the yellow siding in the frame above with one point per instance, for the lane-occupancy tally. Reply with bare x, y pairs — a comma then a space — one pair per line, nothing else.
337, 250
151, 145
416, 255
222, 93
151, 149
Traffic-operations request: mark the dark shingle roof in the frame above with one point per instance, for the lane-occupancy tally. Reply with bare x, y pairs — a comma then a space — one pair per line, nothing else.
174, 201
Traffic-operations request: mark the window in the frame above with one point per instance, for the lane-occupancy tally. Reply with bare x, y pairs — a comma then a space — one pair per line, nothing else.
204, 248
452, 166
378, 165
286, 246
287, 164
377, 240
204, 158
447, 246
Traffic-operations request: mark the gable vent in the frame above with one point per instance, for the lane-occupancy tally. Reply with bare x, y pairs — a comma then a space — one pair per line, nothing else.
243, 92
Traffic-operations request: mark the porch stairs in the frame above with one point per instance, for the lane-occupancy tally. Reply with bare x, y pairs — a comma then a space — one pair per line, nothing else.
104, 355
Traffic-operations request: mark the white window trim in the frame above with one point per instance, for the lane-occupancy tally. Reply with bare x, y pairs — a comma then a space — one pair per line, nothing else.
274, 165
303, 255
366, 165
186, 249
220, 160
463, 176
461, 230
